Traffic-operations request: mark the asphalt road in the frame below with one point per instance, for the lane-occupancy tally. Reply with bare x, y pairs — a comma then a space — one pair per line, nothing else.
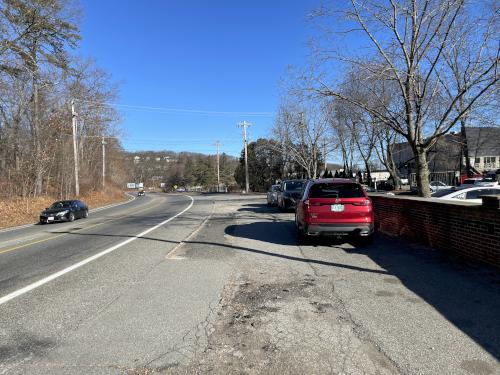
218, 284
116, 312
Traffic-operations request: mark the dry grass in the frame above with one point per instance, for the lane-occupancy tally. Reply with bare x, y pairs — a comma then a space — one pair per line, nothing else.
19, 211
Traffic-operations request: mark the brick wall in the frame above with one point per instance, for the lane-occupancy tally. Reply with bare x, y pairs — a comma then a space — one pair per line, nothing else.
471, 231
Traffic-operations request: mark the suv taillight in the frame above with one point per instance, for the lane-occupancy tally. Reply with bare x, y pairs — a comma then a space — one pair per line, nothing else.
365, 202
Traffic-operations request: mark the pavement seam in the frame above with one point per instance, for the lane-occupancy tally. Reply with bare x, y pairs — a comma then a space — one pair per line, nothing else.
171, 253
362, 334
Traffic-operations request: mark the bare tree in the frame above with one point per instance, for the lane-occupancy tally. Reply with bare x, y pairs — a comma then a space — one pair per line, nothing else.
385, 149
301, 131
409, 40
38, 79
40, 36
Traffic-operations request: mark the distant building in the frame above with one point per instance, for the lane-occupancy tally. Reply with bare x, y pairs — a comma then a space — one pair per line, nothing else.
447, 154
484, 148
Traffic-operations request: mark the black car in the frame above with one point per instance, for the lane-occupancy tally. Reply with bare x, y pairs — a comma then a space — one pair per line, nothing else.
141, 193
290, 191
64, 211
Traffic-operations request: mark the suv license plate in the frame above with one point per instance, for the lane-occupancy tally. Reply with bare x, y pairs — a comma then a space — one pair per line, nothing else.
337, 207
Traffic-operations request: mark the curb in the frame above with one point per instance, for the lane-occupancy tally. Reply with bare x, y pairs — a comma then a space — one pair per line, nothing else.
131, 199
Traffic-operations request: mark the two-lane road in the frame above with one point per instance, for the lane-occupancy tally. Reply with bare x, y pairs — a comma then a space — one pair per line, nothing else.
29, 254
99, 295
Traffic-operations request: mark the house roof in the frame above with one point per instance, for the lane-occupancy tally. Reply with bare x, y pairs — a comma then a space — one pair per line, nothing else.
483, 141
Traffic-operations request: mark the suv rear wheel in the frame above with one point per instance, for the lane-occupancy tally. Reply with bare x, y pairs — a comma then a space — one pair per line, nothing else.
364, 241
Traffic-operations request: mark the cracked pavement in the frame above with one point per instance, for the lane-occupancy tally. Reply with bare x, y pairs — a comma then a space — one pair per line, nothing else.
224, 288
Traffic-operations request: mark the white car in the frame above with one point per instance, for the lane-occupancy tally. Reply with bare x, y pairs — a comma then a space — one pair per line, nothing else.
438, 185
472, 194
475, 182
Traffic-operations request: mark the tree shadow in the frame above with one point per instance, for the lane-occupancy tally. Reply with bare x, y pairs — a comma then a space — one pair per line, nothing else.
466, 294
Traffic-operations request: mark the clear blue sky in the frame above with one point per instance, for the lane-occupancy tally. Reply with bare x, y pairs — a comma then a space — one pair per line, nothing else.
204, 55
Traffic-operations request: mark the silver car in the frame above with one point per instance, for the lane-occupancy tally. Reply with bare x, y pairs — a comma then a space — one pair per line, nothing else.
272, 195
438, 185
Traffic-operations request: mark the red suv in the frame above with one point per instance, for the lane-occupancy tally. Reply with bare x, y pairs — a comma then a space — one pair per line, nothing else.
334, 207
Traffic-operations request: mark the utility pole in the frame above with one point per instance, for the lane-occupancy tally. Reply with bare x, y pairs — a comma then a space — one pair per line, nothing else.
245, 125
75, 148
324, 152
103, 163
217, 144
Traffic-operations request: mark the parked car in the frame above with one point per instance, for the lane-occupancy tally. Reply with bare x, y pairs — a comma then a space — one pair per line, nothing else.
141, 193
334, 207
369, 189
475, 182
384, 185
438, 185
468, 182
64, 211
487, 181
289, 192
272, 195
471, 194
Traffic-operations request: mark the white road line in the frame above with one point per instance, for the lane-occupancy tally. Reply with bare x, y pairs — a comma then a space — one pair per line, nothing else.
49, 278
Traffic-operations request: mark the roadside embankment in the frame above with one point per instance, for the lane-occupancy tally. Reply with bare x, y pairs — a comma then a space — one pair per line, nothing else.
18, 211
468, 230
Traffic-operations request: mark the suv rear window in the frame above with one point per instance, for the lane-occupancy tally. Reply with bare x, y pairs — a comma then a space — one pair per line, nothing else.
324, 190
293, 185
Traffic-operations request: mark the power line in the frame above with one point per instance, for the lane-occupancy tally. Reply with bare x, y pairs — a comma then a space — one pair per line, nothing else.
178, 110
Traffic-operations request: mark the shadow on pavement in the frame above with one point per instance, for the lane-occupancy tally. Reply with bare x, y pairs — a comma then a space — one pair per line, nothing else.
259, 209
466, 295
240, 248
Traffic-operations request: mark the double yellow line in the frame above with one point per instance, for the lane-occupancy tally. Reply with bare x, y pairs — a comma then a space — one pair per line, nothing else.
65, 234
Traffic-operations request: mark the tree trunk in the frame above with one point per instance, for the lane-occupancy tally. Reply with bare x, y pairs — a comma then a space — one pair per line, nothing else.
422, 174
37, 142
465, 149
392, 168
368, 173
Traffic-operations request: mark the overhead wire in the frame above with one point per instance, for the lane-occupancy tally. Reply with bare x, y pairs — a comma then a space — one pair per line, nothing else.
175, 110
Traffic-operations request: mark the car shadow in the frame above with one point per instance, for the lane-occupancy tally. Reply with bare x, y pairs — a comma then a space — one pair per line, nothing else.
466, 294
259, 208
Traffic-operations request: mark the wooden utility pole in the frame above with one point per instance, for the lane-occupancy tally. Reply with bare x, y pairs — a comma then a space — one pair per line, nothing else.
324, 152
75, 147
245, 125
217, 144
103, 163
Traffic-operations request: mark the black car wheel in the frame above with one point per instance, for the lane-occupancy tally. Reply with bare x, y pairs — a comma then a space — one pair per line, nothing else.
302, 237
71, 216
85, 214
